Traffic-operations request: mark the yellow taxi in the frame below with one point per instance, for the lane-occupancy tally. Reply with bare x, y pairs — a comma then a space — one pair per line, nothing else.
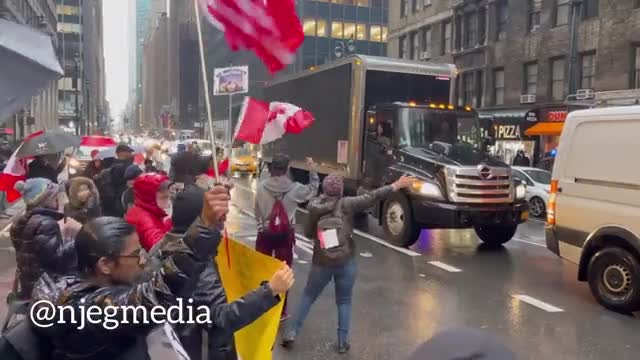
243, 161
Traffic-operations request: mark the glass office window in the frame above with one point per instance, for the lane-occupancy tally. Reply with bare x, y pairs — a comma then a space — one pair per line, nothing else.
361, 31
363, 3
375, 33
385, 33
321, 27
309, 27
336, 29
349, 30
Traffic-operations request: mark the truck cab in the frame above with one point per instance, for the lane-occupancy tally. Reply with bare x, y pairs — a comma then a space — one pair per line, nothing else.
461, 185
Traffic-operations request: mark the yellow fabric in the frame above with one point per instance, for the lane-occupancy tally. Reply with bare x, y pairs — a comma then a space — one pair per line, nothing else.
248, 269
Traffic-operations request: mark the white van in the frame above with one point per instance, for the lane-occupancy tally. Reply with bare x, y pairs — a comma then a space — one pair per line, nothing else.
594, 207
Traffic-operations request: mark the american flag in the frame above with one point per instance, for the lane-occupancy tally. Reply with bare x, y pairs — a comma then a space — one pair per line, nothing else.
269, 28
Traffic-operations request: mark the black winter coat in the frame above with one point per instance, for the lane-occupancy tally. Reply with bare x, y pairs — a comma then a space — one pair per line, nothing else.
39, 169
226, 318
40, 248
181, 264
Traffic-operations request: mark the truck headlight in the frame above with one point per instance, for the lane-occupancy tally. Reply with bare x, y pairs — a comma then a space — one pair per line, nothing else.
74, 163
521, 191
427, 189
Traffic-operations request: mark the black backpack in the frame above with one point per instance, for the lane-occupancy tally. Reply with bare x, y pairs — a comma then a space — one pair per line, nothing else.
104, 184
332, 246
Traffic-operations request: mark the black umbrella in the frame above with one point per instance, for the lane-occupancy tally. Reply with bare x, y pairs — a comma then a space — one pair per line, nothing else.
49, 142
463, 344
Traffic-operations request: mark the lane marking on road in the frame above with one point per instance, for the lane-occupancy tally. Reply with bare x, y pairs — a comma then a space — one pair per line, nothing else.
538, 303
384, 243
528, 242
444, 266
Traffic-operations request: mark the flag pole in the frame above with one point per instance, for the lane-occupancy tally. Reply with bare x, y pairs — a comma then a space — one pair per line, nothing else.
205, 82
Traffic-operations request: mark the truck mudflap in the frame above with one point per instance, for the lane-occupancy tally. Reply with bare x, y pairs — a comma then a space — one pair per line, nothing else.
438, 215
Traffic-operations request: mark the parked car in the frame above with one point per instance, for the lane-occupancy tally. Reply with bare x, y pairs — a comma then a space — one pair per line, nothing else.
594, 206
538, 188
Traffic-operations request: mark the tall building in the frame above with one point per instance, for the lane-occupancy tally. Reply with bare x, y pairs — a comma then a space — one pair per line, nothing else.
81, 92
42, 111
514, 58
142, 16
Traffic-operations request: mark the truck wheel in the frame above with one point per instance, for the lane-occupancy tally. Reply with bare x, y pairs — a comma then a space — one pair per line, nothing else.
397, 221
614, 279
495, 235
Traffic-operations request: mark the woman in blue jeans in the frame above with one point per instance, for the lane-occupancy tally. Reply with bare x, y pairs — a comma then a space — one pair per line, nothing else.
341, 266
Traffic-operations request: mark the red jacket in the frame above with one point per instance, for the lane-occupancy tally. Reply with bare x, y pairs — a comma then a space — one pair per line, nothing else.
150, 221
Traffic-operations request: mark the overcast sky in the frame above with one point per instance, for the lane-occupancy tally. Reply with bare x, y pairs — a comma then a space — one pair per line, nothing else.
116, 50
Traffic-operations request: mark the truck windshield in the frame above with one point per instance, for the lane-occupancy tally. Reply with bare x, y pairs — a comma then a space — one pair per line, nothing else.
419, 127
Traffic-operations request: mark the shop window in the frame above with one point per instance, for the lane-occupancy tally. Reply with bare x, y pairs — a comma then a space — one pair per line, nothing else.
375, 34
587, 70
561, 12
447, 34
385, 33
321, 28
415, 45
309, 27
349, 31
402, 47
467, 88
535, 9
361, 32
635, 83
67, 10
557, 79
502, 16
498, 87
362, 3
336, 29
531, 78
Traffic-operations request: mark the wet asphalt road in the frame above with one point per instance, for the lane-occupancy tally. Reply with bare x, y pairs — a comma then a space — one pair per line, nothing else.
522, 294
403, 297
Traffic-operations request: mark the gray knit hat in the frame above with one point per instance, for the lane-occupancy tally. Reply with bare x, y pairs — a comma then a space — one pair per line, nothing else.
37, 192
333, 185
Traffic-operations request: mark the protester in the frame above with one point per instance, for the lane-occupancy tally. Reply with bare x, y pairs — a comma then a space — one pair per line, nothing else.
149, 213
130, 175
111, 274
183, 167
149, 167
37, 236
84, 200
227, 317
276, 200
111, 182
330, 224
94, 167
47, 167
521, 159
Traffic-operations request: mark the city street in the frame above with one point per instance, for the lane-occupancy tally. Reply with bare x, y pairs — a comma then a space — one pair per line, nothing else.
523, 294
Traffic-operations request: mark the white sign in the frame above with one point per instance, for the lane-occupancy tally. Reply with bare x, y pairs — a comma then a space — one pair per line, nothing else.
343, 151
231, 80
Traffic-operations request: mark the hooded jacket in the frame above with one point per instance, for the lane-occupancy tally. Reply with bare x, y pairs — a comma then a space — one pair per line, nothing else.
291, 193
40, 247
181, 263
78, 210
151, 222
351, 205
226, 318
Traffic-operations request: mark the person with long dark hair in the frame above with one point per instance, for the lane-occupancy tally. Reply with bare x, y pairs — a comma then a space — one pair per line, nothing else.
111, 262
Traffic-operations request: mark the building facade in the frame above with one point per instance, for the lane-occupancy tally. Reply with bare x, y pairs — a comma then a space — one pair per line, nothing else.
515, 61
42, 111
81, 94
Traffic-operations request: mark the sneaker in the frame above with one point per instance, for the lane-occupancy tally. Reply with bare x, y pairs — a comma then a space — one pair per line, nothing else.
344, 348
288, 340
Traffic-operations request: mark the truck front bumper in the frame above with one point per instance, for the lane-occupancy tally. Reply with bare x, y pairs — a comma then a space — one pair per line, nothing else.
438, 215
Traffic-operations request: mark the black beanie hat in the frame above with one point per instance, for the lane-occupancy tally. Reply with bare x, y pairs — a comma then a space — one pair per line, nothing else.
186, 208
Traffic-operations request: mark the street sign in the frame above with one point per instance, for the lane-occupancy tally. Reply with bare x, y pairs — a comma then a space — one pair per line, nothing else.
231, 80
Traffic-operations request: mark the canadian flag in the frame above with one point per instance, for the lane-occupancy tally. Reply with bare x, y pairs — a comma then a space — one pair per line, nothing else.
269, 28
15, 170
261, 122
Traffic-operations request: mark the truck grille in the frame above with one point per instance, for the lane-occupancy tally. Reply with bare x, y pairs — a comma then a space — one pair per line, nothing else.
468, 185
